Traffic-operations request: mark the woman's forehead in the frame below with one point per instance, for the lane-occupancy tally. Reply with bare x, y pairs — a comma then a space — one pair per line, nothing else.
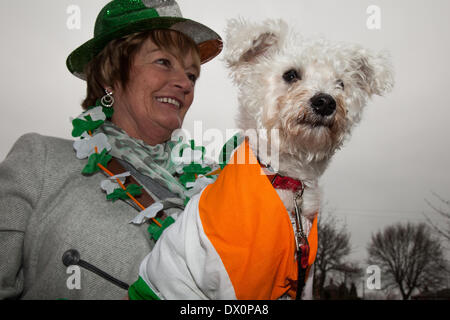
186, 58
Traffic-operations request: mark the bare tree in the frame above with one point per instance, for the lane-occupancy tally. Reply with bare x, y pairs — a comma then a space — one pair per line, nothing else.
445, 213
409, 256
333, 247
349, 270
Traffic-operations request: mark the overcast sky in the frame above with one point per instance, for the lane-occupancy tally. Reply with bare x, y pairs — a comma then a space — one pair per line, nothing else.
396, 157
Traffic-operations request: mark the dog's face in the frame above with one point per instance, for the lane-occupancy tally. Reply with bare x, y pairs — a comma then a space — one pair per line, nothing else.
312, 91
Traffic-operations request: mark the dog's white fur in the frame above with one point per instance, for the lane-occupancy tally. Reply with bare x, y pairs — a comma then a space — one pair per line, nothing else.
258, 54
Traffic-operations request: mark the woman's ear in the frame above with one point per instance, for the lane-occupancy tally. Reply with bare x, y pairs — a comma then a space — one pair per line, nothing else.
109, 89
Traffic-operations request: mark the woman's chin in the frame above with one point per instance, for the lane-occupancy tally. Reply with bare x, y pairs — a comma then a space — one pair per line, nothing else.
168, 126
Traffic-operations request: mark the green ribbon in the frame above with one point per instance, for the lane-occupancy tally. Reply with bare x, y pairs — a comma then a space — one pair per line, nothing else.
141, 291
156, 231
228, 149
80, 126
94, 159
119, 193
191, 172
107, 111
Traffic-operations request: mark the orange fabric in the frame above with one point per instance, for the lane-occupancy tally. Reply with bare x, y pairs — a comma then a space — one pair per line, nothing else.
248, 225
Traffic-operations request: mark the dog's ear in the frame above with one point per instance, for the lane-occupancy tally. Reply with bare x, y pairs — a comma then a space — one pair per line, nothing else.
372, 72
246, 42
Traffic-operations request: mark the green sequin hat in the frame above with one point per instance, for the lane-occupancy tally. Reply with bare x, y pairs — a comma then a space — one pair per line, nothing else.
123, 17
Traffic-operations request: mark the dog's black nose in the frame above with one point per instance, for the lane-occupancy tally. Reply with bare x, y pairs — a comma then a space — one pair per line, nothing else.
323, 104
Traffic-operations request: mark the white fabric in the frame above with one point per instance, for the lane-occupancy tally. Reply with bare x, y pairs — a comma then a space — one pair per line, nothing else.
109, 185
200, 183
95, 113
148, 213
85, 147
184, 263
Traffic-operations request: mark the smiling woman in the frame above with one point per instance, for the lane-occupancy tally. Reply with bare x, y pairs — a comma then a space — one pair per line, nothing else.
140, 69
160, 91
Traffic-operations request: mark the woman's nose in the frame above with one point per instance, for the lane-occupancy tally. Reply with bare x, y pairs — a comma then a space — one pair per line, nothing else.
182, 81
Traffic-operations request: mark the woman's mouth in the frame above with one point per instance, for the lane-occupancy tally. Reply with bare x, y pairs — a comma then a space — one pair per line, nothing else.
174, 102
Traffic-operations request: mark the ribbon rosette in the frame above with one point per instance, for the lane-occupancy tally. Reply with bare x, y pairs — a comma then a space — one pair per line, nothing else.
191, 172
148, 213
96, 113
85, 147
109, 185
95, 159
131, 189
81, 126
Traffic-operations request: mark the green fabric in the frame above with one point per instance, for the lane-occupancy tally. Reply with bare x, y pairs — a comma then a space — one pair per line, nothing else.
228, 149
191, 172
81, 126
107, 111
94, 159
119, 193
119, 13
141, 291
155, 231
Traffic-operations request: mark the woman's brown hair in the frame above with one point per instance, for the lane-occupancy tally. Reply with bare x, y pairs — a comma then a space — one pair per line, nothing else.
113, 64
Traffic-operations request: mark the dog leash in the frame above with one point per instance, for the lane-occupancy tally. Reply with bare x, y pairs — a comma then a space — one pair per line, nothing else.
302, 245
301, 240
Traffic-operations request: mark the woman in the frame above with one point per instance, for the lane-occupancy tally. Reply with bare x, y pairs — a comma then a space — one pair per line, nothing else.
61, 239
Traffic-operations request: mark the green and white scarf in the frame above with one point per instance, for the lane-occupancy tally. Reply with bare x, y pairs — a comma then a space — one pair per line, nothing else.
177, 165
153, 161
165, 163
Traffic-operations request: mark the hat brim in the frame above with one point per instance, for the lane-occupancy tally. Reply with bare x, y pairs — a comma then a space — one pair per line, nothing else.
209, 42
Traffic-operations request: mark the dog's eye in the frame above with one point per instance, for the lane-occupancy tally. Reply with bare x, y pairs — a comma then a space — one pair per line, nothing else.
291, 76
340, 84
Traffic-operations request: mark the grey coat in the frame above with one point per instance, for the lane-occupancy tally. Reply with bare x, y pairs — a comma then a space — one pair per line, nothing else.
48, 207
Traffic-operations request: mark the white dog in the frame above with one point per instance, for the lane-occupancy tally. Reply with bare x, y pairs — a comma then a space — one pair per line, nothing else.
311, 91
231, 241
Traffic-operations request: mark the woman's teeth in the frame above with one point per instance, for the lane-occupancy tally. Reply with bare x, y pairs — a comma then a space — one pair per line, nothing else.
169, 100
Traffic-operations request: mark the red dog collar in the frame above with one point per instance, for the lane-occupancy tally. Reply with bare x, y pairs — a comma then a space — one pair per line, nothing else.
282, 182
285, 183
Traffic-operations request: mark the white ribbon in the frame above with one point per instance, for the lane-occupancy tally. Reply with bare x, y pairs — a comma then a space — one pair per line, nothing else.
109, 185
148, 213
95, 113
200, 183
85, 147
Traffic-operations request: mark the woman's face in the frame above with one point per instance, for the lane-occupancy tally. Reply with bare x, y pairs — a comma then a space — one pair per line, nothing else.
159, 93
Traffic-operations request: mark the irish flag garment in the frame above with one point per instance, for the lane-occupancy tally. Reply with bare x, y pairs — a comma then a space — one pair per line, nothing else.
234, 240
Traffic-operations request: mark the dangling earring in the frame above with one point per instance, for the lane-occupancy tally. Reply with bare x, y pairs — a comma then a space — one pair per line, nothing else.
107, 100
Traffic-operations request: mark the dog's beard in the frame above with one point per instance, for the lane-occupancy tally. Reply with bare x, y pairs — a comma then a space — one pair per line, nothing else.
306, 134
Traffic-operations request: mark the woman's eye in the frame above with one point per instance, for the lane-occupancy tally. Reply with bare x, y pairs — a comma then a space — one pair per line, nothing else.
164, 62
291, 76
192, 77
340, 84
